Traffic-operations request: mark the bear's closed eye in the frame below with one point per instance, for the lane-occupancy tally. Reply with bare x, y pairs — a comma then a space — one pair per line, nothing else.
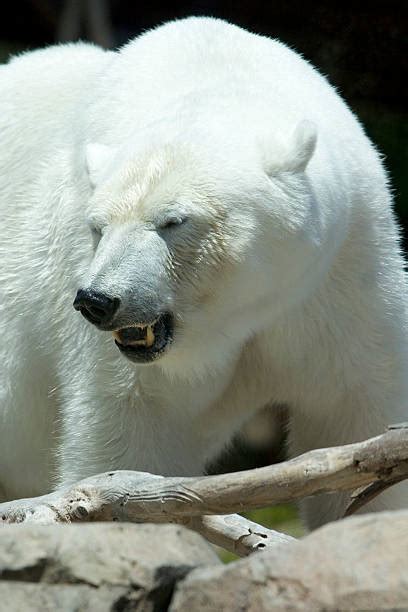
172, 222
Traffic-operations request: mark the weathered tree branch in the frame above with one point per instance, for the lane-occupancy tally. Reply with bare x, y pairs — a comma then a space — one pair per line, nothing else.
363, 495
236, 533
138, 496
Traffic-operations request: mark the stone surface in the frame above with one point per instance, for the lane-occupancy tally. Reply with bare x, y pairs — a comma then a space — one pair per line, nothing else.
100, 566
359, 563
356, 564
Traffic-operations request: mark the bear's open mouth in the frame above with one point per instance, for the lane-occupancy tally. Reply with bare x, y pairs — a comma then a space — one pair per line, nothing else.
144, 342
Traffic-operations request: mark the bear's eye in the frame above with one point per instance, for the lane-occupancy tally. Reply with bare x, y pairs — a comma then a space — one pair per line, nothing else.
96, 233
173, 221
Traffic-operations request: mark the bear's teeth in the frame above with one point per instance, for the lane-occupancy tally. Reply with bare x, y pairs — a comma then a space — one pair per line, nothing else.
149, 336
136, 343
147, 341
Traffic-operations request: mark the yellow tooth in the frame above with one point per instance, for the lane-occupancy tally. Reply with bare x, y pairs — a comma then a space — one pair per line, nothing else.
137, 343
149, 336
116, 335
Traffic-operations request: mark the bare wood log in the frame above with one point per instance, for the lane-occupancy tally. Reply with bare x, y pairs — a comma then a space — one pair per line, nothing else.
363, 495
138, 496
232, 532
236, 533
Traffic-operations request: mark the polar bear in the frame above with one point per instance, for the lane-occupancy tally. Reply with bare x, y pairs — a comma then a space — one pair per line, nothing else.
219, 218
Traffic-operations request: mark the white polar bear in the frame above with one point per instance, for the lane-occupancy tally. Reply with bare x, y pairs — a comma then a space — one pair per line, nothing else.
244, 252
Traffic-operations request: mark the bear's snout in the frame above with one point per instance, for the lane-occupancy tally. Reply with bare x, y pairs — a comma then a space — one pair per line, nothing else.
96, 307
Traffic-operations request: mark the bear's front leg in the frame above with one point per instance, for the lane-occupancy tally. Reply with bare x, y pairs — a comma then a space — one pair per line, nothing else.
160, 431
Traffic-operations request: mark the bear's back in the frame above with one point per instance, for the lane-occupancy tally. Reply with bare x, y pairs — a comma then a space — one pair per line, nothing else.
201, 75
211, 57
41, 93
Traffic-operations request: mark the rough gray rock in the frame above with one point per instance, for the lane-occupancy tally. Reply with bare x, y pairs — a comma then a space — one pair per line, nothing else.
100, 566
359, 563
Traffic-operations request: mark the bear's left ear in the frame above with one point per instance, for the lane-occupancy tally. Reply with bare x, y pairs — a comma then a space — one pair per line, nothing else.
97, 158
299, 150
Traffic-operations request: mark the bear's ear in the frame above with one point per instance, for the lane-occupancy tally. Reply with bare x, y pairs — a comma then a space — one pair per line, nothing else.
97, 158
302, 145
299, 150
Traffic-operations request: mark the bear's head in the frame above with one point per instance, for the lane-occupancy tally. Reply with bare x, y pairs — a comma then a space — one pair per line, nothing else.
195, 251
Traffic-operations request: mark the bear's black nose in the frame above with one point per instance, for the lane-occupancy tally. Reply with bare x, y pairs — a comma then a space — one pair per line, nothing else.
98, 308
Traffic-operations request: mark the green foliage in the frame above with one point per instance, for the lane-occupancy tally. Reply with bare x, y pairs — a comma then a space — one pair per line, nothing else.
283, 518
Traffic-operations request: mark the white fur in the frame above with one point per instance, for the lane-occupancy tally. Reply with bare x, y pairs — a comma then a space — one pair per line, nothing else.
287, 282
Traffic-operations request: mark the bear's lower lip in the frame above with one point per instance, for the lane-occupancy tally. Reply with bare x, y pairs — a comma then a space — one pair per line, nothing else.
145, 343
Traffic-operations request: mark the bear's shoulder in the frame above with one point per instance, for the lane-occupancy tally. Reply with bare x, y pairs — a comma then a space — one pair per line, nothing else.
48, 83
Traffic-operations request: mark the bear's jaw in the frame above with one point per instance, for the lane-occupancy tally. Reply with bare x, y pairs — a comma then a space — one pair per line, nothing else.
145, 342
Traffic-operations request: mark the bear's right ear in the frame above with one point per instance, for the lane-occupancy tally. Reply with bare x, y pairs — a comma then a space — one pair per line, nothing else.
299, 150
302, 145
97, 158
